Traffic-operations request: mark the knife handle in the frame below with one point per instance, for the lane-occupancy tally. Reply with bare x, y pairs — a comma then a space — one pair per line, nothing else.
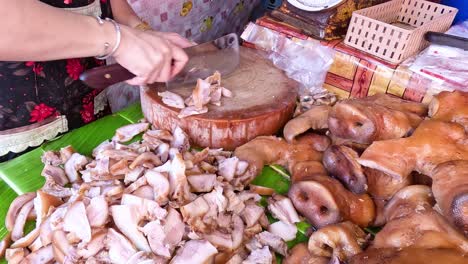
447, 40
104, 76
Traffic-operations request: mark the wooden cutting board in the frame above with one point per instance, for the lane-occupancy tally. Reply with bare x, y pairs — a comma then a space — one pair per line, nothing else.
263, 101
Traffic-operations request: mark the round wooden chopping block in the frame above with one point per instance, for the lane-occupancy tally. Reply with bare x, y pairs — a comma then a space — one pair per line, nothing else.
263, 101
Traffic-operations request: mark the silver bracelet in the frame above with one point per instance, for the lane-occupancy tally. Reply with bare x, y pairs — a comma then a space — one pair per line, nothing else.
106, 44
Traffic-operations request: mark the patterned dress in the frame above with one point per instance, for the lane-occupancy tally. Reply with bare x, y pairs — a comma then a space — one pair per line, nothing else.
198, 20
46, 98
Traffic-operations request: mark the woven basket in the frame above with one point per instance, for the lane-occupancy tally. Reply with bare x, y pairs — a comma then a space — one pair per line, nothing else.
394, 31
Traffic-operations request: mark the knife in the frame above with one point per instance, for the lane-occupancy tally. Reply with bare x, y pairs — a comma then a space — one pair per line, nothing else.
221, 54
447, 40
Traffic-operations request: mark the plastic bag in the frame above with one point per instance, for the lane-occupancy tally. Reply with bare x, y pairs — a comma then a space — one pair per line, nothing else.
306, 61
445, 65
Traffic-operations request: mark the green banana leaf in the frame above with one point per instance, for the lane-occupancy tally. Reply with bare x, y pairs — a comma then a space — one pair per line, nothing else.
7, 195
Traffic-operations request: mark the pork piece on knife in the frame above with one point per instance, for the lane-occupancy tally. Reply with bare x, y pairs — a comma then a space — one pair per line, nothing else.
208, 91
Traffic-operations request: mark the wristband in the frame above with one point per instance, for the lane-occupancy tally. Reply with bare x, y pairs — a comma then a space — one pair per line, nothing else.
106, 44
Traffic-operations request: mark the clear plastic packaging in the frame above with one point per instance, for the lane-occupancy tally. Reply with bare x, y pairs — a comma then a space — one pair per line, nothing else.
445, 65
306, 61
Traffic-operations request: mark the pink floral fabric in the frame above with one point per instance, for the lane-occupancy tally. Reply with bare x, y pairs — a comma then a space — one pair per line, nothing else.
198, 20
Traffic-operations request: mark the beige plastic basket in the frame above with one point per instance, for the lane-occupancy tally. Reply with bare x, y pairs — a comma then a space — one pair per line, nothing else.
395, 30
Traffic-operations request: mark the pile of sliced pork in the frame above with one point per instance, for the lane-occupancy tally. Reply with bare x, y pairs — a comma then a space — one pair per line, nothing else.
208, 91
151, 201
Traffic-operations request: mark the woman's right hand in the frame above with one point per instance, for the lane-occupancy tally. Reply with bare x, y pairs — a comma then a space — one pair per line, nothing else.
149, 55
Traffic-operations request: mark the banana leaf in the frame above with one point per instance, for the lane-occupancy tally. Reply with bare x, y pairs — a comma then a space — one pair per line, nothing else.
133, 113
22, 174
7, 195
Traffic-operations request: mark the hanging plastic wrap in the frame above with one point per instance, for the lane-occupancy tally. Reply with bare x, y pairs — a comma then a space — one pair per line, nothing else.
445, 65
306, 61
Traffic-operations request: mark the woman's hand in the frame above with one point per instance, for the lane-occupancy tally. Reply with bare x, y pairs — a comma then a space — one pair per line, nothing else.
177, 39
151, 56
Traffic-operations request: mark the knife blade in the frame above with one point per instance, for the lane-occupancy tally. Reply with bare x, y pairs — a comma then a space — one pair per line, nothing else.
221, 54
